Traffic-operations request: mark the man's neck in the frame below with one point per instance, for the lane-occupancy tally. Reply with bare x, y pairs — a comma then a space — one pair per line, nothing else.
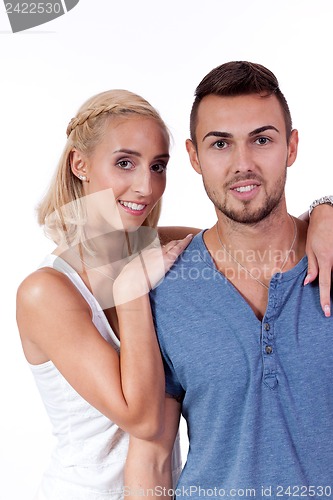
265, 242
249, 255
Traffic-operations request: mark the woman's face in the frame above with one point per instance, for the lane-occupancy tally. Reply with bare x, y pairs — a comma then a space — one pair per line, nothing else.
126, 173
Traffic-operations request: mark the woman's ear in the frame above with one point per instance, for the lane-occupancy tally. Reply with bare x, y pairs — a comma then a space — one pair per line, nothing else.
79, 165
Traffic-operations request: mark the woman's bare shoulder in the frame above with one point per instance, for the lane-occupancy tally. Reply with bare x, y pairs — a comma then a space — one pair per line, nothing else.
46, 285
47, 301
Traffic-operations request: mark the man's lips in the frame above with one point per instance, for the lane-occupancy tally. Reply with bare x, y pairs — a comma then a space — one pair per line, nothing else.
245, 190
245, 185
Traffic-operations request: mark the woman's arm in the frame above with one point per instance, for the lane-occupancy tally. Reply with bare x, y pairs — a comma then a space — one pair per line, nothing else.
55, 324
319, 249
148, 471
168, 233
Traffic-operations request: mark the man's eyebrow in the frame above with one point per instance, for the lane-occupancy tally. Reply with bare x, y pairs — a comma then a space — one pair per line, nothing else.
215, 133
136, 153
263, 129
227, 135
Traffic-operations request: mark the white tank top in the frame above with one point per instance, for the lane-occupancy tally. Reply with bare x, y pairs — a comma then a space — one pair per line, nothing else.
88, 460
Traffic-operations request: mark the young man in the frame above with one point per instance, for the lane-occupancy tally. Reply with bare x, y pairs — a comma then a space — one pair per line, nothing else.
248, 351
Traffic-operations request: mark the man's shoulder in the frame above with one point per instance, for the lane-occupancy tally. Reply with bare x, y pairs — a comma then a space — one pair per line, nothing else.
192, 258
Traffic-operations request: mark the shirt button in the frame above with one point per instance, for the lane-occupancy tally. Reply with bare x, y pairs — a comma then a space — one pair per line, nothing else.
266, 326
269, 349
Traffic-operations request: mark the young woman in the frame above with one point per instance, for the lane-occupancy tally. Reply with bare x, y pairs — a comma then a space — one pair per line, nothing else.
91, 295
74, 311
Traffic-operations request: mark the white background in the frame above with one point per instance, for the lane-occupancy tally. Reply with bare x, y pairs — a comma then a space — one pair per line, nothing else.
160, 49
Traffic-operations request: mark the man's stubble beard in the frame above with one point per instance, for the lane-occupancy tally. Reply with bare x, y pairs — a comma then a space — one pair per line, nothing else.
248, 216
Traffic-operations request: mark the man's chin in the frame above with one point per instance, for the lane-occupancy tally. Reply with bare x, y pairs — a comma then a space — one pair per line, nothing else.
248, 216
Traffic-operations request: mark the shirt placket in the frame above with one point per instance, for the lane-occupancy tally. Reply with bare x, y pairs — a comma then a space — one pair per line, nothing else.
268, 341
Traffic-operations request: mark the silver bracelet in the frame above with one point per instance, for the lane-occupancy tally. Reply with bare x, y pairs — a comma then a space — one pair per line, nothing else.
321, 201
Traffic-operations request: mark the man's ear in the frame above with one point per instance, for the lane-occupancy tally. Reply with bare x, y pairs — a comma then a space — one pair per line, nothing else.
193, 155
79, 165
292, 147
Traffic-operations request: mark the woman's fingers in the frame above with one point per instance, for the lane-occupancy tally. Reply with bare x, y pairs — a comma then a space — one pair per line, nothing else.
312, 267
147, 269
325, 277
158, 261
174, 249
319, 249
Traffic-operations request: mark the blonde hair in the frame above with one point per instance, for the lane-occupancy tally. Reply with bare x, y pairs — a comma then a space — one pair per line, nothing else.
61, 211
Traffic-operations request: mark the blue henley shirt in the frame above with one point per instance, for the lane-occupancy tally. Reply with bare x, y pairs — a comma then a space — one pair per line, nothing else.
257, 395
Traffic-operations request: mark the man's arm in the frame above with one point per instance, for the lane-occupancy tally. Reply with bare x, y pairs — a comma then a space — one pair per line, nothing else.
148, 471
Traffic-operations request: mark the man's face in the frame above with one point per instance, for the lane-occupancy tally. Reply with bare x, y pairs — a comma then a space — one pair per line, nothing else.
242, 154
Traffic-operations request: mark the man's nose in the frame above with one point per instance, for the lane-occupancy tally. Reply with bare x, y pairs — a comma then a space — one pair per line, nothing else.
243, 160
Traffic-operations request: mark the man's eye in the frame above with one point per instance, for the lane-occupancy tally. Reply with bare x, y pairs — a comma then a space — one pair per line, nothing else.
220, 144
262, 141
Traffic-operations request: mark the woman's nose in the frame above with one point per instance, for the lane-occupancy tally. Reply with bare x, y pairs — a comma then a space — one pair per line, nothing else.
142, 182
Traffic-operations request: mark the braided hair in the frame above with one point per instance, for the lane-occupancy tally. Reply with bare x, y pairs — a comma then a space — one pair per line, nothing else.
61, 212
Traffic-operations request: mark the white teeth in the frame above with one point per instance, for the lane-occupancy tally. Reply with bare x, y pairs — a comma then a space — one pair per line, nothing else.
132, 206
243, 189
